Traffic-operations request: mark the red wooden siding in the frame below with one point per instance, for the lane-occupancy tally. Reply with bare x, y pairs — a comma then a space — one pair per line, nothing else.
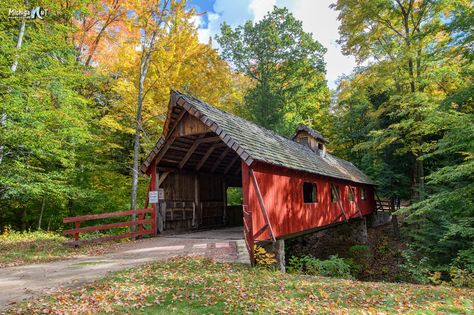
282, 192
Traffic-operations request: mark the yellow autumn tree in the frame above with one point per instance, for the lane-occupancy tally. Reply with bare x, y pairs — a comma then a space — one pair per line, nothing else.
179, 61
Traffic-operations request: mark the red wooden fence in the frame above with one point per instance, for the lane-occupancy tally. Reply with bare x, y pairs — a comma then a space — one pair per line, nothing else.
139, 223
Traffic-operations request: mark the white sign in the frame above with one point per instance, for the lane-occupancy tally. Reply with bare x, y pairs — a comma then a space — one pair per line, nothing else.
161, 194
156, 195
153, 196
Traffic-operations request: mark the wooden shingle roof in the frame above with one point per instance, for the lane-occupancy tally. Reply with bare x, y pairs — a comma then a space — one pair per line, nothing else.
255, 143
312, 132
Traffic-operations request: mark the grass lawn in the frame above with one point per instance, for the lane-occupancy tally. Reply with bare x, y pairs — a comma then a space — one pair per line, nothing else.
201, 286
20, 248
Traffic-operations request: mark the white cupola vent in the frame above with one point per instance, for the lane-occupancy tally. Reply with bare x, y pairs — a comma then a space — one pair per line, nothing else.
311, 138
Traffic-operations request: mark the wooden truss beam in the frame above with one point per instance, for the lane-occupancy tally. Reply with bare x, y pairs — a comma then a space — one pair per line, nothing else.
355, 200
162, 178
219, 159
339, 201
193, 148
227, 169
189, 153
173, 135
206, 156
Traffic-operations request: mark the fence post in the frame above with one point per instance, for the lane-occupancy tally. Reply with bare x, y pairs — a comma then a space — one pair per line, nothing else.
153, 219
77, 225
140, 226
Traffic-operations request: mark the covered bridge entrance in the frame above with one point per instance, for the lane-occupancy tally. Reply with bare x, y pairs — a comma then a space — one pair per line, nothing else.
195, 167
289, 186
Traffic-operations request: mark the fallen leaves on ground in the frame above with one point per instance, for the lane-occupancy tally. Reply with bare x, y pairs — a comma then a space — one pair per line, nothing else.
199, 285
20, 248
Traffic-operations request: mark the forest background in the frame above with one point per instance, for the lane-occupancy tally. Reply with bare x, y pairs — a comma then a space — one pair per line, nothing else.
72, 81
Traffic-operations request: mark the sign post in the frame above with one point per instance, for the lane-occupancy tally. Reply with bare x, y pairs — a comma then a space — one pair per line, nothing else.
161, 194
153, 196
157, 197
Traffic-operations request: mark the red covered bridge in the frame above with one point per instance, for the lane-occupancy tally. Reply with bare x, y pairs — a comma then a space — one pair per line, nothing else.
289, 186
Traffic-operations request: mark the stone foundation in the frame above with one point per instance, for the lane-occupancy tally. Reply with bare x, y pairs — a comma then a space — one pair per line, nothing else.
378, 218
334, 240
277, 248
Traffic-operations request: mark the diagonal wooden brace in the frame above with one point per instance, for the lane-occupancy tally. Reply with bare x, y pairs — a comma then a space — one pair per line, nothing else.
262, 206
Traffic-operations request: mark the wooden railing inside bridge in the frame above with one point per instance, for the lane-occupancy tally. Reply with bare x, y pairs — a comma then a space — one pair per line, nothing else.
139, 223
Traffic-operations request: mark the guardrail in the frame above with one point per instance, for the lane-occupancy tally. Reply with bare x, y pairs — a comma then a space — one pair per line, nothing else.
384, 205
141, 213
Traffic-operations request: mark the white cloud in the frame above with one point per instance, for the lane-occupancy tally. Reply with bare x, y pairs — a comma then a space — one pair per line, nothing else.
316, 16
232, 12
259, 8
321, 21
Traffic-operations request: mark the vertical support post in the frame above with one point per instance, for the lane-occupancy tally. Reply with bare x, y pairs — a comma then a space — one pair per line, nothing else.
159, 220
280, 254
193, 222
224, 198
247, 213
77, 226
153, 222
197, 198
248, 232
396, 229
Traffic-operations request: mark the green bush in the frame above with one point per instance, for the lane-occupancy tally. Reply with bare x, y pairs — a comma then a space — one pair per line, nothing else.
360, 259
461, 278
332, 267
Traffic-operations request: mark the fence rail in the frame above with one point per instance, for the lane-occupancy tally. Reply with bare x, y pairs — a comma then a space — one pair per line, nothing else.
141, 213
384, 205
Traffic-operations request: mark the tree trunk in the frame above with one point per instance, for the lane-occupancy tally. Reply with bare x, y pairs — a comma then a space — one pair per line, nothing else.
136, 147
18, 45
418, 181
23, 220
145, 61
41, 213
3, 116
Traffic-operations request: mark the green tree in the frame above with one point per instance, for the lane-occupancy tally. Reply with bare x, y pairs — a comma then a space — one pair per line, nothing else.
442, 225
408, 114
57, 159
287, 66
405, 44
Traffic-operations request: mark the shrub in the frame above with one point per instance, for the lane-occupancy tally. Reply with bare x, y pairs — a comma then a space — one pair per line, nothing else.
332, 267
461, 278
262, 257
360, 258
416, 267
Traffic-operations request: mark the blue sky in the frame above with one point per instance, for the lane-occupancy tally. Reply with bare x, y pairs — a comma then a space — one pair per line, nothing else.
316, 16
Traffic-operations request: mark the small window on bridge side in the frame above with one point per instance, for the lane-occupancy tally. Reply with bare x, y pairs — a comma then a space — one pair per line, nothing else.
362, 193
310, 192
350, 194
335, 193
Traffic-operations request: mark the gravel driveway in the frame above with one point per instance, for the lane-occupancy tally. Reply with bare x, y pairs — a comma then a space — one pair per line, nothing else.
17, 283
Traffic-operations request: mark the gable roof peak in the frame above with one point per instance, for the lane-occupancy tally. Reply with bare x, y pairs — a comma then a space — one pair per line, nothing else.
313, 133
